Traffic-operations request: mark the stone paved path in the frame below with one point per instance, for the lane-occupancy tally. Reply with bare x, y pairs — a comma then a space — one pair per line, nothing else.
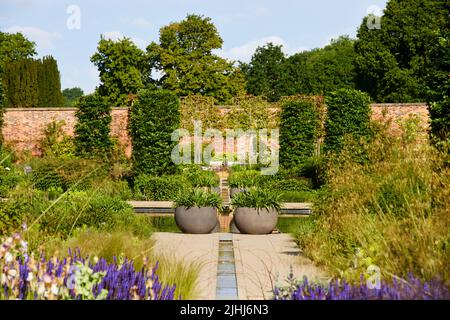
260, 261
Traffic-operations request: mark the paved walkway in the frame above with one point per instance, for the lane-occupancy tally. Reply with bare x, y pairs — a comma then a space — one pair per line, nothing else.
261, 261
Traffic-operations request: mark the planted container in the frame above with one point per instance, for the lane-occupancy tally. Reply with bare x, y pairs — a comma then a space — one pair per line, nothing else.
256, 211
196, 211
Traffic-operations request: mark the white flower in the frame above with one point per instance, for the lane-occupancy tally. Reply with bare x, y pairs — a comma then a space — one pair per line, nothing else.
54, 289
41, 289
7, 168
8, 257
95, 259
30, 276
12, 273
3, 278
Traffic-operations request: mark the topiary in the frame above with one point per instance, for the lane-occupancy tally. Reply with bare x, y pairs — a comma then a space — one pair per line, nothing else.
92, 131
152, 120
348, 113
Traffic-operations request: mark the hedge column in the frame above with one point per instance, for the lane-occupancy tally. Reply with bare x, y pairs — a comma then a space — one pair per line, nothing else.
299, 125
348, 114
153, 118
92, 130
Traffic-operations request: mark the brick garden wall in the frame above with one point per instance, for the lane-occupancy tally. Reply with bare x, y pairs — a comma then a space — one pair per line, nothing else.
23, 128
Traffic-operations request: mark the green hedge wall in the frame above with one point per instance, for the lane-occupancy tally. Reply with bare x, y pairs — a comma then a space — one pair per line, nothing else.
92, 132
348, 114
299, 125
153, 118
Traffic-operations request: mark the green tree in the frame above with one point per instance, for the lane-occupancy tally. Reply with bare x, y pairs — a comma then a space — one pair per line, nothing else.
71, 96
49, 83
92, 131
14, 46
393, 61
264, 73
188, 66
331, 67
121, 65
438, 93
21, 82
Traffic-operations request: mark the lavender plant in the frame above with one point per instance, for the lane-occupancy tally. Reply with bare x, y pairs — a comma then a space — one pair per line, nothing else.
25, 277
397, 289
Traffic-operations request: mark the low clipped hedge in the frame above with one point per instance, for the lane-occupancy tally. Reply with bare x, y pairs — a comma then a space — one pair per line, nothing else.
162, 188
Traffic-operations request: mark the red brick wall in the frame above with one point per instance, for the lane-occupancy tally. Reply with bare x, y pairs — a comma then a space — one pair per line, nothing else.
23, 128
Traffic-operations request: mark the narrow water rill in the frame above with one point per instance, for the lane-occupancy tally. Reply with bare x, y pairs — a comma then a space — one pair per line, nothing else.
226, 288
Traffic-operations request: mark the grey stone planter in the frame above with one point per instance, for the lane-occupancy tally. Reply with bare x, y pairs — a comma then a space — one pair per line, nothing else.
255, 221
233, 228
196, 220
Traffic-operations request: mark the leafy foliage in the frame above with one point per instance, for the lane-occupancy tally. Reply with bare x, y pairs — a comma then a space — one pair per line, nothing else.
121, 65
201, 178
257, 198
92, 131
198, 198
348, 114
14, 46
162, 188
33, 83
184, 56
71, 96
56, 143
299, 131
392, 62
153, 118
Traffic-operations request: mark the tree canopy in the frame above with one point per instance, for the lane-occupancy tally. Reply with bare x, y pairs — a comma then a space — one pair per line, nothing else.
121, 65
392, 62
184, 58
14, 46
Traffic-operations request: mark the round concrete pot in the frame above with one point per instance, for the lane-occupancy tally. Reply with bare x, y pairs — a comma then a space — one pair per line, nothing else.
196, 220
233, 228
255, 221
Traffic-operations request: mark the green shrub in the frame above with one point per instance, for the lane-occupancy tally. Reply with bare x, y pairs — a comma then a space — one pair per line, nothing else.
348, 114
153, 118
92, 131
201, 178
300, 121
56, 143
258, 199
198, 198
161, 188
314, 168
9, 178
78, 174
245, 179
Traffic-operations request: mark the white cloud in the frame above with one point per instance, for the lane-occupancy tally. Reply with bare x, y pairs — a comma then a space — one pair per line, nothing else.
244, 52
44, 40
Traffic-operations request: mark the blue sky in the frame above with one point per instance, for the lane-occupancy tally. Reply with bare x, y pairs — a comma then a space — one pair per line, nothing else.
243, 25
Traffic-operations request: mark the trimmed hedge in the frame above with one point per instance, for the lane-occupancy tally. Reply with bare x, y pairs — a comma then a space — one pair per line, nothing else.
153, 118
299, 125
163, 188
92, 131
348, 114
